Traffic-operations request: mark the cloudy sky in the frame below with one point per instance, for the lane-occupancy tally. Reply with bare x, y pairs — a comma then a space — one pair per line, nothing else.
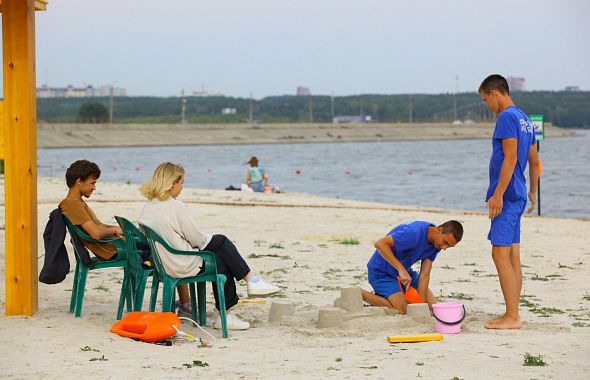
269, 47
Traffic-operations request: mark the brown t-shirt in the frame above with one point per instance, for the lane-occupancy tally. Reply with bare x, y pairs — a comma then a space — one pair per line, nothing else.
79, 213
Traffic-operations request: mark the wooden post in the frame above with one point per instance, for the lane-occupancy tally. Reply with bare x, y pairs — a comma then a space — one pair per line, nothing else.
20, 138
1, 137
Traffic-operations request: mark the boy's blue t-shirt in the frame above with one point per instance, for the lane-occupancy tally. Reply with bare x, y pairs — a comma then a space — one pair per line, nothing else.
511, 123
410, 245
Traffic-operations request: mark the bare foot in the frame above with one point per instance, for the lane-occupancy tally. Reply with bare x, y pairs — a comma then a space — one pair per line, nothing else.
495, 320
503, 323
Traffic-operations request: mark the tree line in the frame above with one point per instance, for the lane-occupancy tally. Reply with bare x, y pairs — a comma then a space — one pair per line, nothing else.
562, 108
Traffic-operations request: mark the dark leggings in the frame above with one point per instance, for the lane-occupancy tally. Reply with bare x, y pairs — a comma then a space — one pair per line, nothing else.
231, 264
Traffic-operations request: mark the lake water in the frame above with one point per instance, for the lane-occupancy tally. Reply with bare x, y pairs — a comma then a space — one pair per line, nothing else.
446, 174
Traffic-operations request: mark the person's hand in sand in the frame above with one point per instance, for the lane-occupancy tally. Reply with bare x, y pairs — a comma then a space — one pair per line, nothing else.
395, 254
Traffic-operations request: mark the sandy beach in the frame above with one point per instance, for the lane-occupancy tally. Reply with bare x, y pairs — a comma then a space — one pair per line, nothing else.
296, 241
98, 135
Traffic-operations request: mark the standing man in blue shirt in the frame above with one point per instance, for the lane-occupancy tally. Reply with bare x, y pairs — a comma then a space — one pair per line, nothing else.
395, 254
513, 146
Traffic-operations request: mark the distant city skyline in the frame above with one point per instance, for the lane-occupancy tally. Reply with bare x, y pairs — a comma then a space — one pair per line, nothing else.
340, 47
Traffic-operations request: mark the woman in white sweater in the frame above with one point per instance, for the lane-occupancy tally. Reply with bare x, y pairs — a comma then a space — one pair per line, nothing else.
171, 219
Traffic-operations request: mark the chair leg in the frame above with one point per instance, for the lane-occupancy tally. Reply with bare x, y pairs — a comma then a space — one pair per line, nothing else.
140, 292
167, 297
202, 297
130, 294
154, 295
220, 286
125, 295
193, 301
80, 290
75, 287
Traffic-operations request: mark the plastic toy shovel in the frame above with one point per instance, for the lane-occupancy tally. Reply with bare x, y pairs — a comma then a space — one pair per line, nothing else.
410, 294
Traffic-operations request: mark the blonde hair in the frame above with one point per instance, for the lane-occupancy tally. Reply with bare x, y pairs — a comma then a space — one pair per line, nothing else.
166, 175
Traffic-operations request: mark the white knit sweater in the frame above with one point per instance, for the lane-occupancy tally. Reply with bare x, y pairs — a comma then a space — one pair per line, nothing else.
171, 219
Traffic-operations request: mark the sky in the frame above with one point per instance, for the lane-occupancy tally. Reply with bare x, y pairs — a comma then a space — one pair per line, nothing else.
340, 47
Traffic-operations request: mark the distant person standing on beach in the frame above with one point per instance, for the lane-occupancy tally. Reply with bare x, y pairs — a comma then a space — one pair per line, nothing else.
256, 177
513, 145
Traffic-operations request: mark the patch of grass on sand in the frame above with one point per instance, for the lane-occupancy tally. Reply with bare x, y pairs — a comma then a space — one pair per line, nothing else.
100, 359
196, 363
545, 311
88, 348
533, 360
526, 303
276, 246
586, 297
561, 266
470, 264
327, 287
102, 287
257, 256
281, 270
553, 276
447, 266
338, 360
332, 272
350, 241
536, 277
461, 296
580, 324
259, 243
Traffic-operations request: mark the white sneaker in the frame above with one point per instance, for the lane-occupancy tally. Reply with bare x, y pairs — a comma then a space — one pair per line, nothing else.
261, 289
233, 322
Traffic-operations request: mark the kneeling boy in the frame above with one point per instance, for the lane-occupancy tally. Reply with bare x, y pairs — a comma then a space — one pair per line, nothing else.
395, 254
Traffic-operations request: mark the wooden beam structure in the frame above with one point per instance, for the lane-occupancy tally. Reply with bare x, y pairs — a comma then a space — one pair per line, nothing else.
40, 5
20, 143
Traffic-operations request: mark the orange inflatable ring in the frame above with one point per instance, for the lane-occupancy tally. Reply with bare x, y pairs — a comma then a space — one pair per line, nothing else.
147, 326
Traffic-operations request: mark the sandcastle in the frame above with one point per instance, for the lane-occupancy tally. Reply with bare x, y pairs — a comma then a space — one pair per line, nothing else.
346, 308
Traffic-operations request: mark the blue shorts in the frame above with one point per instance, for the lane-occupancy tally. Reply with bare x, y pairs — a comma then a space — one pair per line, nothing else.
384, 284
505, 228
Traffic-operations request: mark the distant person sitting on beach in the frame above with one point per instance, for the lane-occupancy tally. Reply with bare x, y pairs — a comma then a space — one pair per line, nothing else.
256, 177
81, 178
395, 254
513, 146
171, 219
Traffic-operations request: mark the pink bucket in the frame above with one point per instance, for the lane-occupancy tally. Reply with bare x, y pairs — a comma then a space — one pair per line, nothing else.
448, 317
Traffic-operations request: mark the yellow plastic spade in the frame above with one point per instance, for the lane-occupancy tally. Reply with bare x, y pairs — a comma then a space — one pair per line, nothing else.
414, 338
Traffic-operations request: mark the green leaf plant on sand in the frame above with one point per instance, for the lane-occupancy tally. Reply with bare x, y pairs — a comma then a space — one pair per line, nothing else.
533, 360
349, 241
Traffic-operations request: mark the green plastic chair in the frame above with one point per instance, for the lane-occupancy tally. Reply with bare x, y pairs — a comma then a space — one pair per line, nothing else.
81, 272
169, 283
137, 274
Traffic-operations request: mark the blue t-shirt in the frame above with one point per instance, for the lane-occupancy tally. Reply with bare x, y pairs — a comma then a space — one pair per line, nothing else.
410, 245
511, 123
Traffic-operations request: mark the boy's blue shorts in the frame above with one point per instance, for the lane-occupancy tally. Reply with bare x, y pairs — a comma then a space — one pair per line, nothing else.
505, 228
384, 284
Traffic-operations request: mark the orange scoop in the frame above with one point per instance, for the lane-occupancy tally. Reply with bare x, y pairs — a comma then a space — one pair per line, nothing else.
410, 294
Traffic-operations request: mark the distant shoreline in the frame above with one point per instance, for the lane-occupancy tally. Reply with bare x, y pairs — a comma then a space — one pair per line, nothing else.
144, 135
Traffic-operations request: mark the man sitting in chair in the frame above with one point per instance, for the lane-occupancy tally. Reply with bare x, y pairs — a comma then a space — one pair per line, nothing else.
81, 178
